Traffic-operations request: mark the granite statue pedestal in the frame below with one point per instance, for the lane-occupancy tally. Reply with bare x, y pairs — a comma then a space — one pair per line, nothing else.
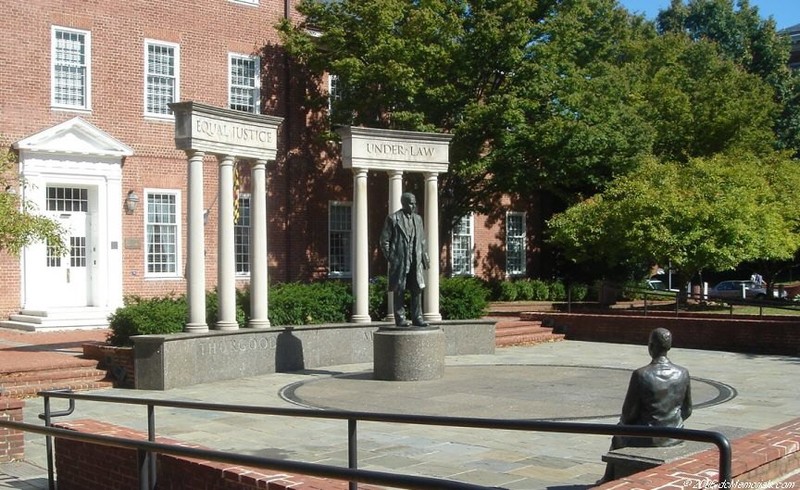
408, 353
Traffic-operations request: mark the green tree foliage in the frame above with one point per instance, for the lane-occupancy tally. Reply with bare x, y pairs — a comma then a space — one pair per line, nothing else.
752, 42
19, 225
561, 99
708, 213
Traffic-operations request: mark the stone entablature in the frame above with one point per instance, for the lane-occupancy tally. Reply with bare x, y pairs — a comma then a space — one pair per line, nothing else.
221, 131
384, 149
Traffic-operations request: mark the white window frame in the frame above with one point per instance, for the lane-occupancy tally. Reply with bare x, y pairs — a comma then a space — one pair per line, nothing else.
242, 230
348, 252
86, 66
516, 241
175, 77
464, 230
256, 88
333, 91
177, 273
246, 2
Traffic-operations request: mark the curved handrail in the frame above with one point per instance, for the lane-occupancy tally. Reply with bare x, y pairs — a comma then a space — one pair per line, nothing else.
352, 417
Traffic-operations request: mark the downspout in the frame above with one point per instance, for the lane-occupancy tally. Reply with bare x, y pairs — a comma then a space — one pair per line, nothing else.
287, 128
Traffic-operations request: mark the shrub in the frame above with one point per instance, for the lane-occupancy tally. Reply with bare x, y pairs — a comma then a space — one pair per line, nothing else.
541, 291
147, 316
557, 291
313, 303
579, 292
525, 289
462, 298
508, 291
378, 294
212, 307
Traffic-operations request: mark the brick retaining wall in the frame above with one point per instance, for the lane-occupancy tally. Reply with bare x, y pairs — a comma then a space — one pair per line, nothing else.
82, 465
757, 458
753, 335
12, 442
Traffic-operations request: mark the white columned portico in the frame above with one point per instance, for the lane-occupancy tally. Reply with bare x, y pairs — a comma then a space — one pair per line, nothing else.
395, 193
229, 134
226, 253
259, 283
195, 260
395, 152
431, 302
360, 248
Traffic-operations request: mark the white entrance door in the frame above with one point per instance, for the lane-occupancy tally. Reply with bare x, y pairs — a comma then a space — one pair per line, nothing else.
66, 280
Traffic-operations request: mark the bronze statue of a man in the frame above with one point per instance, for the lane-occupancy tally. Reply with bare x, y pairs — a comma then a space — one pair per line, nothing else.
403, 244
659, 395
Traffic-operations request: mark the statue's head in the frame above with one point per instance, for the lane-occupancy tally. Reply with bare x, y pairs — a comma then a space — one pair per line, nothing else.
660, 342
409, 202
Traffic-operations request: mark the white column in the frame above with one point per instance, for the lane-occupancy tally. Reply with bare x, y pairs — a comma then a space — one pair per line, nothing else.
431, 304
195, 248
360, 248
259, 282
226, 254
395, 192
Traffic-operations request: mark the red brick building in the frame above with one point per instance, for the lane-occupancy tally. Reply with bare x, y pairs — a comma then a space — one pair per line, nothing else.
84, 90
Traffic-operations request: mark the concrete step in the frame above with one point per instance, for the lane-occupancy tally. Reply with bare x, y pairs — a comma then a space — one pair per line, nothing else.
32, 320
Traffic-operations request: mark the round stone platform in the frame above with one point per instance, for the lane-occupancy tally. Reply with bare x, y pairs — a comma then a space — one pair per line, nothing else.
408, 353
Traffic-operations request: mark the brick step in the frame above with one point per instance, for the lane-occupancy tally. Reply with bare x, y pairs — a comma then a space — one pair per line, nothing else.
505, 331
523, 333
51, 375
528, 339
50, 364
30, 390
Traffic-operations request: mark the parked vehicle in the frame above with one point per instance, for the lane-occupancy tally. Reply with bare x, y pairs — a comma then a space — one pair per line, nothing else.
733, 289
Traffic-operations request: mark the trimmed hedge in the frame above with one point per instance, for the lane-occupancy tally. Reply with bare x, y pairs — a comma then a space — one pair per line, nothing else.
462, 298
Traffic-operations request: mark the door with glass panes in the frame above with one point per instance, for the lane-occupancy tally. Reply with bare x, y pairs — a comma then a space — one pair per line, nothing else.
66, 277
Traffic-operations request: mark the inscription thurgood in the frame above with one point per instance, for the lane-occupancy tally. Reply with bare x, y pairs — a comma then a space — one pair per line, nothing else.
233, 346
232, 133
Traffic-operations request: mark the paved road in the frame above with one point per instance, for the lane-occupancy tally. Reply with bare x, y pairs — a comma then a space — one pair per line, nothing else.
582, 381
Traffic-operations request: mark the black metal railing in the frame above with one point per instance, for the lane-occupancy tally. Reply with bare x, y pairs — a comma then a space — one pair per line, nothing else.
352, 474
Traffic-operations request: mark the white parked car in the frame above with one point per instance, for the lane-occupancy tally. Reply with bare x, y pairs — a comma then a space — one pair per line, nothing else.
734, 289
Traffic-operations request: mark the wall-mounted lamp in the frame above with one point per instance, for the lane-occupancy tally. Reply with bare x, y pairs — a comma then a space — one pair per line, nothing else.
131, 201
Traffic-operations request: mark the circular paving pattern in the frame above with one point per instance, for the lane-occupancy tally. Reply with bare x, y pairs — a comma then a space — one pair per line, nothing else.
529, 391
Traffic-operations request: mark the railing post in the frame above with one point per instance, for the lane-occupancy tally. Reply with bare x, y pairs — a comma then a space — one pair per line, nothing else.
352, 449
150, 458
48, 441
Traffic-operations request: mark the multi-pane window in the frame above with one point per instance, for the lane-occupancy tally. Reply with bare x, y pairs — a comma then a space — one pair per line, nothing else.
515, 244
161, 77
68, 199
333, 91
243, 83
241, 232
161, 229
71, 55
340, 254
462, 246
53, 259
77, 248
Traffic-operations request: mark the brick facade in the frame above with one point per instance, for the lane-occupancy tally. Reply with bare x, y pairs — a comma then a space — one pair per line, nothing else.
302, 181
